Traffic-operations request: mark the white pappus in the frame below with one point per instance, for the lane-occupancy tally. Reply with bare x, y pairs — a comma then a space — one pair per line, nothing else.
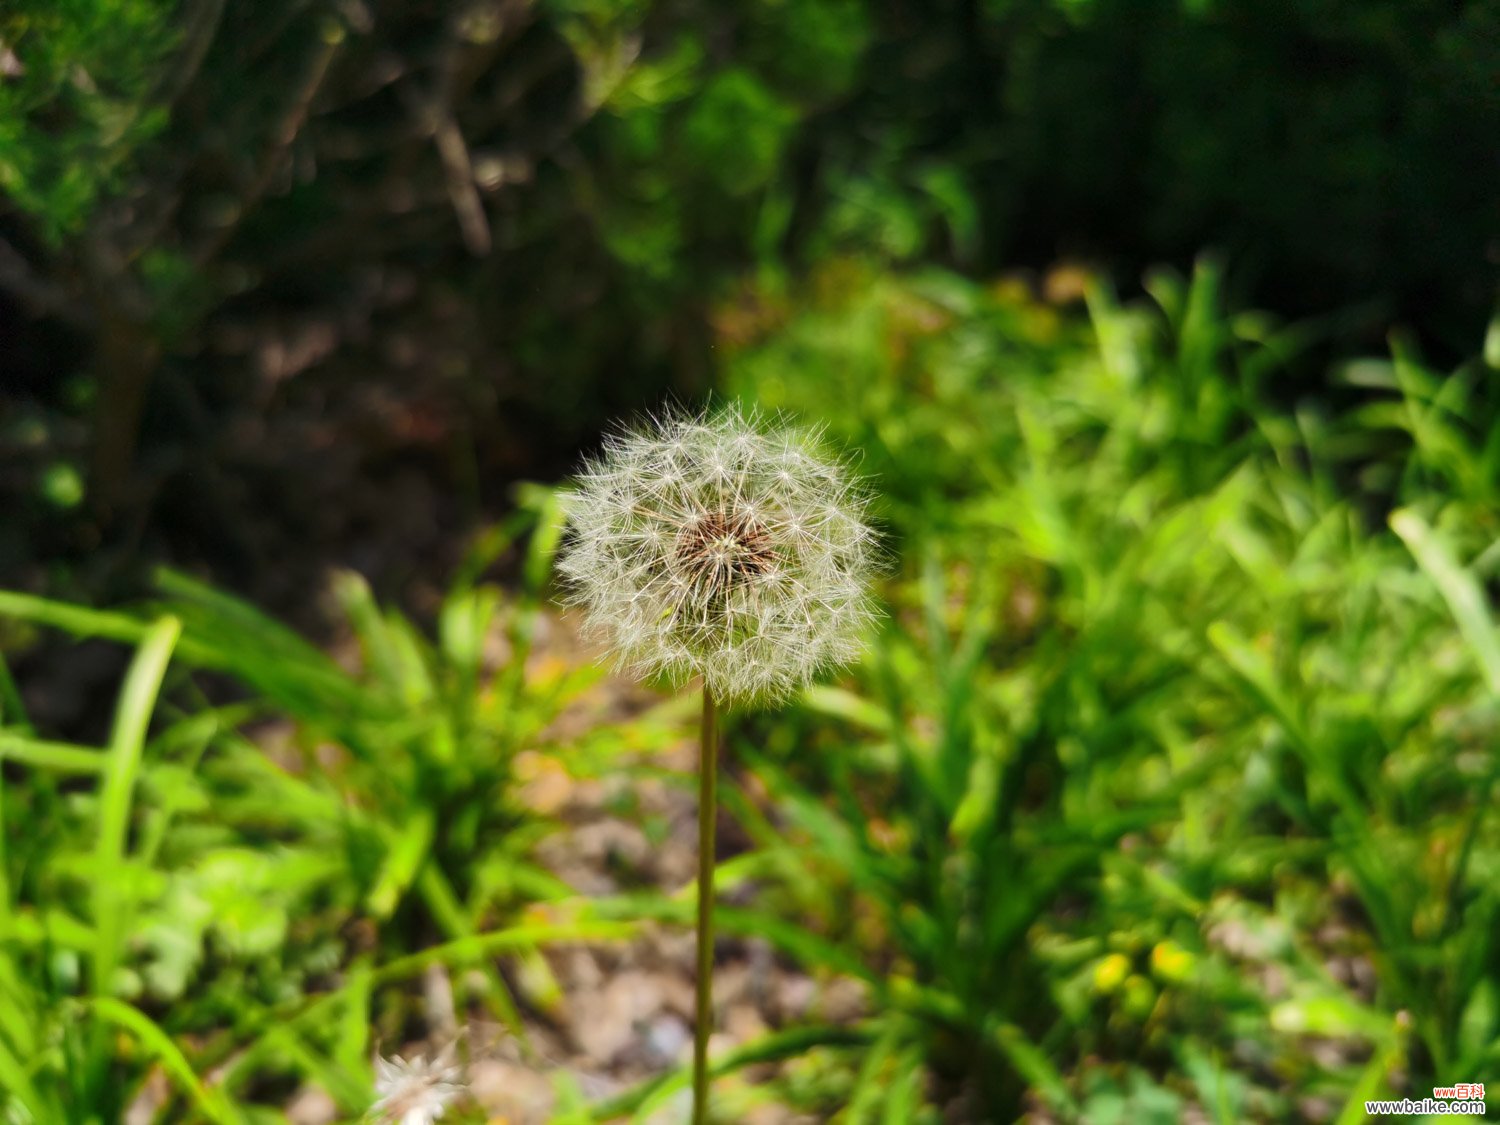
724, 545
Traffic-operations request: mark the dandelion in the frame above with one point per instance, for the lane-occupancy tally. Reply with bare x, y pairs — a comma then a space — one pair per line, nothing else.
416, 1092
728, 547
722, 547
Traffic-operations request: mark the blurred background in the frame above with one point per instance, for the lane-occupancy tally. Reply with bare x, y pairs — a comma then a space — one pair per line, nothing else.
1163, 328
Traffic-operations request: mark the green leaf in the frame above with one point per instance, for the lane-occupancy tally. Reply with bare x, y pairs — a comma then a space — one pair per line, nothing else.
1254, 669
352, 1047
59, 756
405, 854
137, 700
77, 620
788, 1044
1034, 1066
1466, 601
838, 703
980, 802
1374, 1079
871, 1080
903, 1097
212, 1103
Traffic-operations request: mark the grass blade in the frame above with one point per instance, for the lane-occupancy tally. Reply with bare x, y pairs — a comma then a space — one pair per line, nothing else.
137, 700
774, 1047
1466, 601
1034, 1066
12, 709
865, 1096
212, 1103
60, 756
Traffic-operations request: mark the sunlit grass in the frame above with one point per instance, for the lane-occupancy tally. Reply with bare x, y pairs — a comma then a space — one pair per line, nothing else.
1164, 787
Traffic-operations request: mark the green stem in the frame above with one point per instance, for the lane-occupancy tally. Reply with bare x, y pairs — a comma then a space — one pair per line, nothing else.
708, 765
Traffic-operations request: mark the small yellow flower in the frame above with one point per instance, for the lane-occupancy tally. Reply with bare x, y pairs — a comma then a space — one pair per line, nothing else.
1110, 972
1171, 962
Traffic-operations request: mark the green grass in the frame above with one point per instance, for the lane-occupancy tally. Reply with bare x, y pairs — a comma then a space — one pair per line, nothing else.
394, 800
59, 1058
1158, 667
1165, 783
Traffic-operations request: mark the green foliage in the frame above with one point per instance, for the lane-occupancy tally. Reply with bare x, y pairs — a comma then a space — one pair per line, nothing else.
693, 147
393, 798
78, 101
61, 967
1327, 145
172, 172
1153, 672
421, 732
1164, 790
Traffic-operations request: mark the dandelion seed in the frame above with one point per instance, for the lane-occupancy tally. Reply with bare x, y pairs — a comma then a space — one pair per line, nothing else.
416, 1092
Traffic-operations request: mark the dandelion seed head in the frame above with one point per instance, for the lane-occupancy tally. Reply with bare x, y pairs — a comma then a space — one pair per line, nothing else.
416, 1092
724, 545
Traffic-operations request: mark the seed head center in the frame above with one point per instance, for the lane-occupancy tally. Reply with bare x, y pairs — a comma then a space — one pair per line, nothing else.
719, 550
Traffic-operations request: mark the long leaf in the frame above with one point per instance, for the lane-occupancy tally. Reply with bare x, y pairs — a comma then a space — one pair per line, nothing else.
137, 700
1459, 588
62, 757
212, 1103
771, 1048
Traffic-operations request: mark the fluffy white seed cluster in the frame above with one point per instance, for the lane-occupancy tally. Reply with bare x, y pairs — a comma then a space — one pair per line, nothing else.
415, 1092
723, 545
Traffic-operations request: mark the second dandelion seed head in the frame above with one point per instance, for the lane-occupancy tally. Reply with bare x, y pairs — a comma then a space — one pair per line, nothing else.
417, 1091
723, 545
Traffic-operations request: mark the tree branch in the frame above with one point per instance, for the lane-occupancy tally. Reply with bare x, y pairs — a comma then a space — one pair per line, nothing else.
332, 39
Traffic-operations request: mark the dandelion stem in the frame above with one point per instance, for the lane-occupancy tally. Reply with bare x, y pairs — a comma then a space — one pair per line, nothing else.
708, 766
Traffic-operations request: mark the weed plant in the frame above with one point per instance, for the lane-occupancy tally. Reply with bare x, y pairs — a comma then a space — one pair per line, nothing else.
388, 823
1168, 784
1163, 790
